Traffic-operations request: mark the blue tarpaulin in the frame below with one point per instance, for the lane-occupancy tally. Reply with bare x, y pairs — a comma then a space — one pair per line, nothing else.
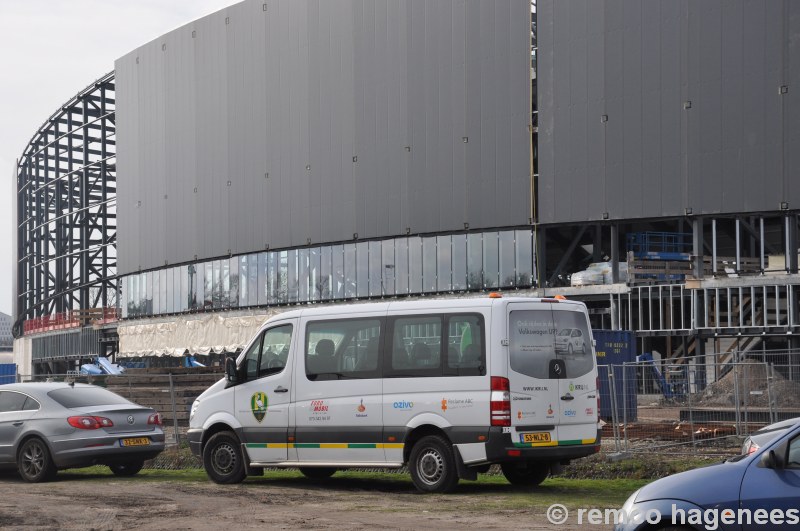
8, 373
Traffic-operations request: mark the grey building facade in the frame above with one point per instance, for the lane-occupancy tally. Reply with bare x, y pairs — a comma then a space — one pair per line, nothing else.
283, 124
659, 109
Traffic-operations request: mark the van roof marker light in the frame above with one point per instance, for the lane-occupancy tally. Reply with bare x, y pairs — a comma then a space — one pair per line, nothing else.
495, 295
560, 297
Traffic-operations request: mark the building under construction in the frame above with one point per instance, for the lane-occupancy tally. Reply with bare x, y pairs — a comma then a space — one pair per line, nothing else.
634, 155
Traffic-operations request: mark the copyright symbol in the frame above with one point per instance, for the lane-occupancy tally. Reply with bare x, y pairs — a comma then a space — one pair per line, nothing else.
557, 514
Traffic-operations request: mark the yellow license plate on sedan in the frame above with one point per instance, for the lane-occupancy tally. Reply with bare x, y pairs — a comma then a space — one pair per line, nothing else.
135, 441
539, 437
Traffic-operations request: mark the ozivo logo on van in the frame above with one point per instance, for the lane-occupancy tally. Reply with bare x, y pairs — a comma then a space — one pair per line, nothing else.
403, 405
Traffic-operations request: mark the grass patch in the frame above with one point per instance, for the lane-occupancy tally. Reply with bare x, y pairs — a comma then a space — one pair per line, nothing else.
499, 494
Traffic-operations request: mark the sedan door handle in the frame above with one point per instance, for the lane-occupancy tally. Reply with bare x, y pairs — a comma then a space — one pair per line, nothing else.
281, 390
18, 423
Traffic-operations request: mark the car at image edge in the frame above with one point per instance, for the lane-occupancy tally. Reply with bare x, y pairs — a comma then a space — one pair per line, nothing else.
46, 427
766, 478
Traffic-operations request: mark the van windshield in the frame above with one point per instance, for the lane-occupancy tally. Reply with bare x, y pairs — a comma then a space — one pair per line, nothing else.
539, 336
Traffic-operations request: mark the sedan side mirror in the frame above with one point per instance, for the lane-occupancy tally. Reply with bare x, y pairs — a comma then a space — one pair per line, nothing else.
774, 458
231, 374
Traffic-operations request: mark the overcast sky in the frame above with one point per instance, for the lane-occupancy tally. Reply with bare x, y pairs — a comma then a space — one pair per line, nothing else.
51, 49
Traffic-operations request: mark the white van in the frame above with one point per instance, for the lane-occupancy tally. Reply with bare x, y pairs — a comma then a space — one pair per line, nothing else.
447, 387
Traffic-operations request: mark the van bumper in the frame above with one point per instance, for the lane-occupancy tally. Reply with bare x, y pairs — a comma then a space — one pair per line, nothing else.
195, 438
500, 449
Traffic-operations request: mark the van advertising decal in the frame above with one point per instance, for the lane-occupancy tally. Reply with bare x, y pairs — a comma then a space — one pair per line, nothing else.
456, 403
402, 404
319, 411
258, 405
361, 410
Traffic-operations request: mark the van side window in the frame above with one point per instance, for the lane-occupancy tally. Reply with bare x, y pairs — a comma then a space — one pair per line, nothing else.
416, 346
465, 353
343, 349
269, 353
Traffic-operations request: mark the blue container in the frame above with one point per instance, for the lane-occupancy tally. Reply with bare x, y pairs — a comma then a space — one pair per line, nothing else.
8, 373
615, 348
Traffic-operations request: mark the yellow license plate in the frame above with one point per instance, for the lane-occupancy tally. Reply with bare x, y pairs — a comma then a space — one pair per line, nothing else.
540, 437
135, 441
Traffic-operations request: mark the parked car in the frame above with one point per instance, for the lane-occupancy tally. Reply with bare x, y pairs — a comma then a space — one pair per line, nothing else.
761, 437
766, 480
570, 340
46, 427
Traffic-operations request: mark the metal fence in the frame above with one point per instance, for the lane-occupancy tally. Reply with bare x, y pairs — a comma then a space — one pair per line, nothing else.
170, 393
702, 404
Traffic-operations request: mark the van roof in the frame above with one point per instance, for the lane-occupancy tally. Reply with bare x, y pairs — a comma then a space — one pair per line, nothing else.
395, 305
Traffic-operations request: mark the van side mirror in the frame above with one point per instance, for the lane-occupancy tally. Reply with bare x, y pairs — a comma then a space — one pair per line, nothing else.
231, 374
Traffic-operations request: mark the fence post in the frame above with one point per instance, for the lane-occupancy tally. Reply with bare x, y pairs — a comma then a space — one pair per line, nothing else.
625, 405
614, 418
736, 392
174, 412
770, 372
689, 373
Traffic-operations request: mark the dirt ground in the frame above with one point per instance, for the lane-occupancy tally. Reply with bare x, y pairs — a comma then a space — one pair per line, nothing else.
104, 502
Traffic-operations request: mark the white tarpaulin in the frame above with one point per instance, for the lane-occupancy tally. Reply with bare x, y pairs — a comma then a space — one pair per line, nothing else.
196, 335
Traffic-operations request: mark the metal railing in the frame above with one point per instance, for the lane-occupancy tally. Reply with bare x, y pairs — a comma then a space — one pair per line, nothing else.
706, 404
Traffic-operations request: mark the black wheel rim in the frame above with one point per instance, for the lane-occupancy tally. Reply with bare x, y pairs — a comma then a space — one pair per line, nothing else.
33, 459
224, 459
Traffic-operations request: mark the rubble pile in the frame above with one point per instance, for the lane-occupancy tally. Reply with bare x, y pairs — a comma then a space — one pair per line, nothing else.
753, 389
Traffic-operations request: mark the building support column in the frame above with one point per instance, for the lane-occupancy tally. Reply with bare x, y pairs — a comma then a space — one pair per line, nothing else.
697, 247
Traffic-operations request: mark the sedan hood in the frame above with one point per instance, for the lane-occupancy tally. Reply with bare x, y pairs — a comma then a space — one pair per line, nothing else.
706, 487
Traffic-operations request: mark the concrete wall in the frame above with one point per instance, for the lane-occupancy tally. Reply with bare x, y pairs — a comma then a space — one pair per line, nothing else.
735, 149
312, 120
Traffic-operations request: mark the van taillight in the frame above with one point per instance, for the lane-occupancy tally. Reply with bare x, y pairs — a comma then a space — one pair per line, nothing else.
500, 402
597, 392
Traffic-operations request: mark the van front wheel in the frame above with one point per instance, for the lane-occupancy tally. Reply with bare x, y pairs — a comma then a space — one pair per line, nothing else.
223, 460
432, 465
525, 474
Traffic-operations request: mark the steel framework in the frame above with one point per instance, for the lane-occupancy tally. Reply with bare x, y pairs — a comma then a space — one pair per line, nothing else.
66, 209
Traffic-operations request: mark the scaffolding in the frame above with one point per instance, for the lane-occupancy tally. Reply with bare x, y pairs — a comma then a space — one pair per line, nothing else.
66, 209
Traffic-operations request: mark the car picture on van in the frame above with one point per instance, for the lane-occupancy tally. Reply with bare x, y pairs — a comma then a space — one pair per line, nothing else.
445, 387
570, 340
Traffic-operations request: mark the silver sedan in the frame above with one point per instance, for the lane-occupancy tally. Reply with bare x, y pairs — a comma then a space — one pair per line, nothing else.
45, 427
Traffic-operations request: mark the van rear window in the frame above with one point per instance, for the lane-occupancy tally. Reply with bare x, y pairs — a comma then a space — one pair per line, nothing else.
539, 336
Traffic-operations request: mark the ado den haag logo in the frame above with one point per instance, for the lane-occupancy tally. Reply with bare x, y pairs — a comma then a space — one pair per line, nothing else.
258, 405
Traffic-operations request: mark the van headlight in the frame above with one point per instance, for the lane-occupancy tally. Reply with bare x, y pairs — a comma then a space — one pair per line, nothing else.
195, 405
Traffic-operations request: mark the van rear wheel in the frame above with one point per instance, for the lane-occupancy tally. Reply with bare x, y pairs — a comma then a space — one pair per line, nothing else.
432, 465
525, 474
317, 472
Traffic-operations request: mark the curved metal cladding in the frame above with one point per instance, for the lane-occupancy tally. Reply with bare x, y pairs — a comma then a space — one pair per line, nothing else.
66, 211
657, 109
288, 123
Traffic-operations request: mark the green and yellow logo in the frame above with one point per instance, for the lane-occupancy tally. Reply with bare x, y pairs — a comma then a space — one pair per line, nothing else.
258, 405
